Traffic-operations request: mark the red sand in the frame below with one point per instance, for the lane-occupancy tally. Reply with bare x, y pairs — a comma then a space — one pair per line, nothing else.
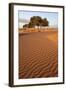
38, 55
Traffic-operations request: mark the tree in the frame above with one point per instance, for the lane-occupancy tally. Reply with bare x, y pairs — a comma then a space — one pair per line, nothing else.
45, 22
36, 21
25, 26
31, 25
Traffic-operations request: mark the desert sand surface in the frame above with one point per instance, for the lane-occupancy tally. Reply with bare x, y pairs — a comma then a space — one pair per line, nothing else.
38, 55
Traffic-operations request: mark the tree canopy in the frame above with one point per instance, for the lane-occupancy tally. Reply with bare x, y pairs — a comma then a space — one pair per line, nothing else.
37, 21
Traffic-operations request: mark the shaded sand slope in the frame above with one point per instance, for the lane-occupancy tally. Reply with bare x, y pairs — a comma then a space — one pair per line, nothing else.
38, 55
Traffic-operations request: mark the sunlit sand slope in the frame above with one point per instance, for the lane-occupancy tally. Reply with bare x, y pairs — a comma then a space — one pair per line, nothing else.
38, 55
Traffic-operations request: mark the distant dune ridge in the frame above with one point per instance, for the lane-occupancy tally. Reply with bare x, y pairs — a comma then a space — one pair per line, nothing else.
38, 54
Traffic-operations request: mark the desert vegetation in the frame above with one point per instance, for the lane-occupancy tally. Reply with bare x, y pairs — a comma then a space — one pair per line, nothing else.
36, 21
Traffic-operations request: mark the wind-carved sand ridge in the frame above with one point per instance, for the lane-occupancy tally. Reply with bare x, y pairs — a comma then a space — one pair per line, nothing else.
38, 55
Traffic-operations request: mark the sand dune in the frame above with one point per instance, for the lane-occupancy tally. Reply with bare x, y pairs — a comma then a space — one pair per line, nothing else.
38, 55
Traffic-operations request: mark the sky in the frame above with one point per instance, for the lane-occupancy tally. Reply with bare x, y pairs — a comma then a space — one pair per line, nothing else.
52, 17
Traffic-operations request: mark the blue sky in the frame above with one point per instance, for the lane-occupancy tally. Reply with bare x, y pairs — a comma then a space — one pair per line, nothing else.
52, 17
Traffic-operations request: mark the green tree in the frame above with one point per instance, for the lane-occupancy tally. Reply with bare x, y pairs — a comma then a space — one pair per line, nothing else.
45, 22
25, 26
36, 21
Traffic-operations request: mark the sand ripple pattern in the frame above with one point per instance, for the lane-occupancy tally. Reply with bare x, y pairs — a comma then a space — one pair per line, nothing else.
38, 55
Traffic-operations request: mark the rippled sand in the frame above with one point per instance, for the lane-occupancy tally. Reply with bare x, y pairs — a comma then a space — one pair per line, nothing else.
38, 54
